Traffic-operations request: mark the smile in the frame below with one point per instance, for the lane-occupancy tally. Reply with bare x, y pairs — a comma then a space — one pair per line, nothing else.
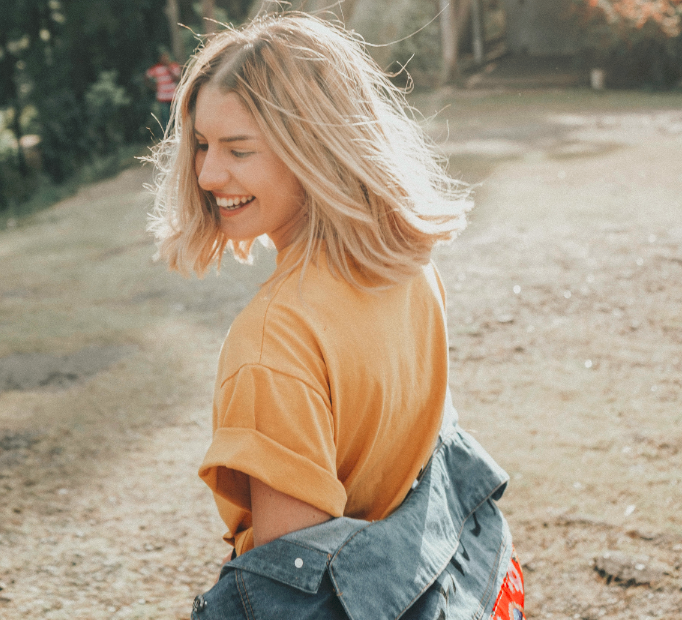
233, 203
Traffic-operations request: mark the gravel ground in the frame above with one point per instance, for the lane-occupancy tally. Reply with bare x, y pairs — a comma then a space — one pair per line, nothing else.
566, 363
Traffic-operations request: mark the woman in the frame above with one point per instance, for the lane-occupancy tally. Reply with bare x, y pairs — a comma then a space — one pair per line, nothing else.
336, 462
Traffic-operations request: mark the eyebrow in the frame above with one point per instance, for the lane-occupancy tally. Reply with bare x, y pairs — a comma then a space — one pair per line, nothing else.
238, 138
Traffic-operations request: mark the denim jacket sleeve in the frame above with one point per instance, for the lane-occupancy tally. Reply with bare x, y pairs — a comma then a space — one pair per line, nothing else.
442, 554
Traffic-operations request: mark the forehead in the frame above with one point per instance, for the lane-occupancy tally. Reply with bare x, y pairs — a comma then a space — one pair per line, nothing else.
221, 115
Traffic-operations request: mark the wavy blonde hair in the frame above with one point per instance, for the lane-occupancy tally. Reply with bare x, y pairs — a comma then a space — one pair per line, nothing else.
376, 193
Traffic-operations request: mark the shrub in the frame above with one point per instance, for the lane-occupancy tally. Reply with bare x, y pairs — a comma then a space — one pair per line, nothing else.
63, 133
637, 42
105, 104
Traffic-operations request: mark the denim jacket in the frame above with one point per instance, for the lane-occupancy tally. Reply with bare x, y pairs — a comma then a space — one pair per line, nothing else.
442, 555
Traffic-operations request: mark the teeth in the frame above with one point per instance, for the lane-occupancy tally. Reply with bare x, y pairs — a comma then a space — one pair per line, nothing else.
230, 203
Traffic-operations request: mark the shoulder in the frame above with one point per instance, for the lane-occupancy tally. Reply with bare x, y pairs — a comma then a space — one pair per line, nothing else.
435, 282
276, 330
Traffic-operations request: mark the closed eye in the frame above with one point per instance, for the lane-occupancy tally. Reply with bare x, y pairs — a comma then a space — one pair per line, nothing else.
241, 154
202, 146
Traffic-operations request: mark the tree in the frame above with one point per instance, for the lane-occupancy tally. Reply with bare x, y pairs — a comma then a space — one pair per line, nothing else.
208, 14
636, 42
173, 15
18, 25
453, 19
666, 13
51, 54
342, 10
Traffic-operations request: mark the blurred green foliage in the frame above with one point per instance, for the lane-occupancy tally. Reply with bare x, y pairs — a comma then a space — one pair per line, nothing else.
106, 104
78, 66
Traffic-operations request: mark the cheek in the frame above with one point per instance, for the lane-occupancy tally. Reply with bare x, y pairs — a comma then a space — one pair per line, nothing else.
296, 192
199, 162
289, 186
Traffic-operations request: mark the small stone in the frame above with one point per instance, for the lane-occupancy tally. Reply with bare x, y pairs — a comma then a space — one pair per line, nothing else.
634, 533
628, 570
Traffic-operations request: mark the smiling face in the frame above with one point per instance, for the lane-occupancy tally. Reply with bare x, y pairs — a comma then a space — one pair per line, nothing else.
254, 191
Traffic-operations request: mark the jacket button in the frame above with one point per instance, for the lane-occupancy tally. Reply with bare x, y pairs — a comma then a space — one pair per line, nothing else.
298, 563
199, 604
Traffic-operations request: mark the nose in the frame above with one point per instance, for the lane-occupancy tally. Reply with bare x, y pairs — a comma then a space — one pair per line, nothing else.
212, 173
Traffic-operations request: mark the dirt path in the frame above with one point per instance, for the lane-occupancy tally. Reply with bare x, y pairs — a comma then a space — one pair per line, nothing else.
566, 348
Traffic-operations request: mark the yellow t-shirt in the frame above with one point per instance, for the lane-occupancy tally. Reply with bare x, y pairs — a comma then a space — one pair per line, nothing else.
329, 394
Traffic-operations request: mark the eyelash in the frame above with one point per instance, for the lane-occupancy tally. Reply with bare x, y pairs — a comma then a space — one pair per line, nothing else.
237, 154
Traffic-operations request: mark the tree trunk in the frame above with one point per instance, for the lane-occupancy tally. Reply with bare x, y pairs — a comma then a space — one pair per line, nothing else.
261, 7
3, 200
477, 31
347, 9
323, 8
18, 134
449, 40
208, 14
453, 20
173, 15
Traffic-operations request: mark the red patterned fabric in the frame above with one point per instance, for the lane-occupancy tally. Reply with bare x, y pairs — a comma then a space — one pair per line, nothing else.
166, 77
509, 603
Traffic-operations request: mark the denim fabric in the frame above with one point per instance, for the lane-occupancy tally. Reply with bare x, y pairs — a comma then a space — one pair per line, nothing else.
442, 555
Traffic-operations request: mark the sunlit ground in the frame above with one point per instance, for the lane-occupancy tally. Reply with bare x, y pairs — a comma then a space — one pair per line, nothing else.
565, 335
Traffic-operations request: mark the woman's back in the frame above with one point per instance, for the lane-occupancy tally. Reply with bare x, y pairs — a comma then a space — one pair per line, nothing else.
329, 394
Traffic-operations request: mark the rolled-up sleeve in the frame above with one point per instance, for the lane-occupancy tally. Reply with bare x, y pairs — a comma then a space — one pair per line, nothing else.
279, 429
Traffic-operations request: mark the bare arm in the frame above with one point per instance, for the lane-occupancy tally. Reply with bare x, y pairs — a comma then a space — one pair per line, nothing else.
275, 514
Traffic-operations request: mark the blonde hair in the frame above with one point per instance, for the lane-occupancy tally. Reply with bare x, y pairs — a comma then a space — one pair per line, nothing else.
376, 193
